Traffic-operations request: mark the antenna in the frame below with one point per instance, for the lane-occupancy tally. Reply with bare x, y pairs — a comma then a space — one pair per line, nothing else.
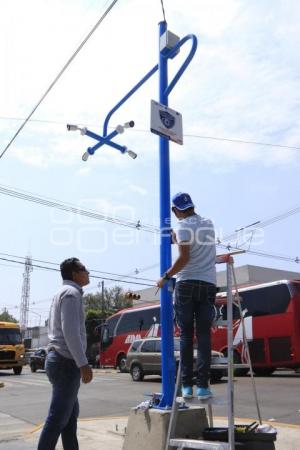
25, 293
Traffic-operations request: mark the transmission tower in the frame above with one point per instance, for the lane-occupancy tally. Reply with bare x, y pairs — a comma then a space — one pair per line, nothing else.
25, 293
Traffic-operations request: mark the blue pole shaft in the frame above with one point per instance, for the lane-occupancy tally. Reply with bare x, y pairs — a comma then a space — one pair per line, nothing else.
168, 362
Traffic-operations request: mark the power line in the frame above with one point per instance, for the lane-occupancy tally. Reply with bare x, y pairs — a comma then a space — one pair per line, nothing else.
91, 276
264, 223
163, 9
53, 203
23, 195
197, 136
230, 247
241, 141
90, 270
60, 74
123, 222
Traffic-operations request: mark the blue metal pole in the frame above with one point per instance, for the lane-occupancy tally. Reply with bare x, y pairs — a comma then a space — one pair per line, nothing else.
168, 362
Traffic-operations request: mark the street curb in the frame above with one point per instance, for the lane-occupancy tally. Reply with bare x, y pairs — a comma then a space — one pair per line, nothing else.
239, 419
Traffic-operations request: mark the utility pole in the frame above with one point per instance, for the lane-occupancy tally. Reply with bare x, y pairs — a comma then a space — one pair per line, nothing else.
169, 46
24, 307
102, 296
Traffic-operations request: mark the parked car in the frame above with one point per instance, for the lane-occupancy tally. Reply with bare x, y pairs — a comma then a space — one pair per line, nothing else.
144, 358
37, 360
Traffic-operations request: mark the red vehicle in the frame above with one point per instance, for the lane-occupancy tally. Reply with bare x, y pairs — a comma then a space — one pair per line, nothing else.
272, 319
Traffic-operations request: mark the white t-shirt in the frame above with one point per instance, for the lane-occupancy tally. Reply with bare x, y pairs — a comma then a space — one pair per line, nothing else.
200, 235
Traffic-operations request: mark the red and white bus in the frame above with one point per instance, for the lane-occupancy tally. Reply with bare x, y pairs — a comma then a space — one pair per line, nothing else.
272, 319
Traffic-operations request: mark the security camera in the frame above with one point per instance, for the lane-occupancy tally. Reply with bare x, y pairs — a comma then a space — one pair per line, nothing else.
132, 154
129, 124
85, 156
72, 127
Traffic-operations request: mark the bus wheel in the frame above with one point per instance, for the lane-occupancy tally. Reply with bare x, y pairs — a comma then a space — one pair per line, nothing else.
263, 371
121, 364
136, 372
17, 370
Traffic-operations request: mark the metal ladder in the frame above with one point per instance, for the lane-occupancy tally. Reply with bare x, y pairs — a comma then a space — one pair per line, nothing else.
224, 363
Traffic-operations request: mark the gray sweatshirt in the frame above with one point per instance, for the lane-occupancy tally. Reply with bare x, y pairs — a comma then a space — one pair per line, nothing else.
66, 328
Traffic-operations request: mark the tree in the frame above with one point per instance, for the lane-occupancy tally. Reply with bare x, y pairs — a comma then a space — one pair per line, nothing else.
113, 300
6, 317
98, 308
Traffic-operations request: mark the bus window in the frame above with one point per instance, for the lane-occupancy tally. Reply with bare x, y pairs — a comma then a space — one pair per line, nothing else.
266, 301
150, 316
111, 323
297, 287
137, 320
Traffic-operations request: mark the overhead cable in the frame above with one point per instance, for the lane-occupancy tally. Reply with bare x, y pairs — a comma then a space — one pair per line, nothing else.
263, 223
197, 136
163, 10
52, 203
90, 270
60, 74
58, 270
137, 225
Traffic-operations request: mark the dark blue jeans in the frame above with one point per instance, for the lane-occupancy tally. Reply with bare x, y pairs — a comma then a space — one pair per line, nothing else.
64, 376
194, 308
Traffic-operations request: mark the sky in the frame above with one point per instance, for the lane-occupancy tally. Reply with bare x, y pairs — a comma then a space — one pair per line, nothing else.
243, 84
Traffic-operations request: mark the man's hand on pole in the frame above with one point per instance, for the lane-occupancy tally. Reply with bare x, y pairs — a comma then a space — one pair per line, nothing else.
161, 282
86, 374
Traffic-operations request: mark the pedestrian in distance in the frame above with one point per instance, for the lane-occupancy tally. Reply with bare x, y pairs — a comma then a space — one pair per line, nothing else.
195, 292
66, 362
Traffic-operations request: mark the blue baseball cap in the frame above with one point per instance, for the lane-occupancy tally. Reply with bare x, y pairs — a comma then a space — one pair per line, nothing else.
182, 201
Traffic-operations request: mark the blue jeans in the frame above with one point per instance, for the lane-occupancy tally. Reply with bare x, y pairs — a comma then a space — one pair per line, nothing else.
64, 376
194, 302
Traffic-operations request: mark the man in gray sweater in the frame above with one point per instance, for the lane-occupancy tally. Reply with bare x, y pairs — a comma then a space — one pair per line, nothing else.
66, 361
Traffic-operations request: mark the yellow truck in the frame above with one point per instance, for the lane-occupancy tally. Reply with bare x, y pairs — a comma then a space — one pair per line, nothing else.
12, 351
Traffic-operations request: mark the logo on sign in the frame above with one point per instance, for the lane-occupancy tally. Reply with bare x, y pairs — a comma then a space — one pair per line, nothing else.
167, 119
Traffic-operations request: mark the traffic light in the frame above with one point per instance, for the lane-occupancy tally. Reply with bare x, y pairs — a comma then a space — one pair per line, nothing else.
132, 296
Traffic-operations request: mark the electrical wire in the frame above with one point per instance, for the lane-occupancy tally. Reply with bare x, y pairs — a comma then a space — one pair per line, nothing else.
230, 247
122, 222
197, 136
106, 12
90, 270
264, 223
53, 203
53, 269
163, 9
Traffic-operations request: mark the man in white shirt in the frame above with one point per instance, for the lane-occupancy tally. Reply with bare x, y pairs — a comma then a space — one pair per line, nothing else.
195, 292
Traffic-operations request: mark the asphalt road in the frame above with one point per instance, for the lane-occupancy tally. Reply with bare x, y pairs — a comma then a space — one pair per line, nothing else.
26, 396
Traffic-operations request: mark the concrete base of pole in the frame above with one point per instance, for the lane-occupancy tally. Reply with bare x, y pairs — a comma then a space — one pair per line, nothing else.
147, 430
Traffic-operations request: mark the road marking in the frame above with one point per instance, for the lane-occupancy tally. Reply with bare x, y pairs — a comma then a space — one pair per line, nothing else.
37, 428
19, 384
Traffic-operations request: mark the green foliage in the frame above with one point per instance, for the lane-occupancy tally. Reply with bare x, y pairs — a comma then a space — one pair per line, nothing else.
112, 301
97, 309
6, 317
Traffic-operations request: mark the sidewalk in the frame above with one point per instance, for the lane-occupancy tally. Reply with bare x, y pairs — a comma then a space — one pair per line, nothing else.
107, 433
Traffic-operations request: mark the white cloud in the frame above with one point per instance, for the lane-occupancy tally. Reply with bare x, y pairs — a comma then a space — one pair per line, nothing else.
138, 189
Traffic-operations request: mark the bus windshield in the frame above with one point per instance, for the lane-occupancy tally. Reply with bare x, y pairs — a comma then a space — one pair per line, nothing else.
10, 336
